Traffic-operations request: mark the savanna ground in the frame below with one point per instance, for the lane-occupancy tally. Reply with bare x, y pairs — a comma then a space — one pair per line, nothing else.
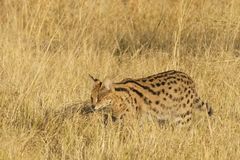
48, 48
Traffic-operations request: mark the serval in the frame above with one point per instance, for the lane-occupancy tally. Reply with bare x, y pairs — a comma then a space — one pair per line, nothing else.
168, 96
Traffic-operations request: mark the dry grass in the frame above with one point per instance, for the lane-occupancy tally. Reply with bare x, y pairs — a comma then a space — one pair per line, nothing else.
47, 49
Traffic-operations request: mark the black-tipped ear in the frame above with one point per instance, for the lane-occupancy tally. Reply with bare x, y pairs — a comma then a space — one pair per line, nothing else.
94, 79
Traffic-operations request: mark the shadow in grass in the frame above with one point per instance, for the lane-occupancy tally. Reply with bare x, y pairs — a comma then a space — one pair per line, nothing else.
53, 117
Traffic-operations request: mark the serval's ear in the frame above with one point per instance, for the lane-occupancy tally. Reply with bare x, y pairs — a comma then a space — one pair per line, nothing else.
94, 79
107, 83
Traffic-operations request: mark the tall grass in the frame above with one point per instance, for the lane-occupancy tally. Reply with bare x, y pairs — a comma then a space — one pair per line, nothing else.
48, 48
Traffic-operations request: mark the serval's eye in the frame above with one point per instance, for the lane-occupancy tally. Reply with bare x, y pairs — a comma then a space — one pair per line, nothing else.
92, 99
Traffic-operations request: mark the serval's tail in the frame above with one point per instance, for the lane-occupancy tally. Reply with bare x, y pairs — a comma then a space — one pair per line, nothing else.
203, 106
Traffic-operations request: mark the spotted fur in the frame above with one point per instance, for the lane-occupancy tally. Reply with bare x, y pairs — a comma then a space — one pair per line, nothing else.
168, 96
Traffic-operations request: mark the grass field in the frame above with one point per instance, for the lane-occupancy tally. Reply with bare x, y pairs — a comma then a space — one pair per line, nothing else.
48, 48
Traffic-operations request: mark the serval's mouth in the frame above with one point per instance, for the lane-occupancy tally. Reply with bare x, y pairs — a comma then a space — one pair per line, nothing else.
88, 109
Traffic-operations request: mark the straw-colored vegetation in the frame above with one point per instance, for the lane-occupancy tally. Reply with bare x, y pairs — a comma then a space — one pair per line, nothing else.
48, 48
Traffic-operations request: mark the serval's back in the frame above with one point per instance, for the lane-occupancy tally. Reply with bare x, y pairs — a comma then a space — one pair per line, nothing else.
168, 96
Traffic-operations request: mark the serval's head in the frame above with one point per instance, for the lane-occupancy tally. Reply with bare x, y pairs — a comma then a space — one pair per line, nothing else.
102, 94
